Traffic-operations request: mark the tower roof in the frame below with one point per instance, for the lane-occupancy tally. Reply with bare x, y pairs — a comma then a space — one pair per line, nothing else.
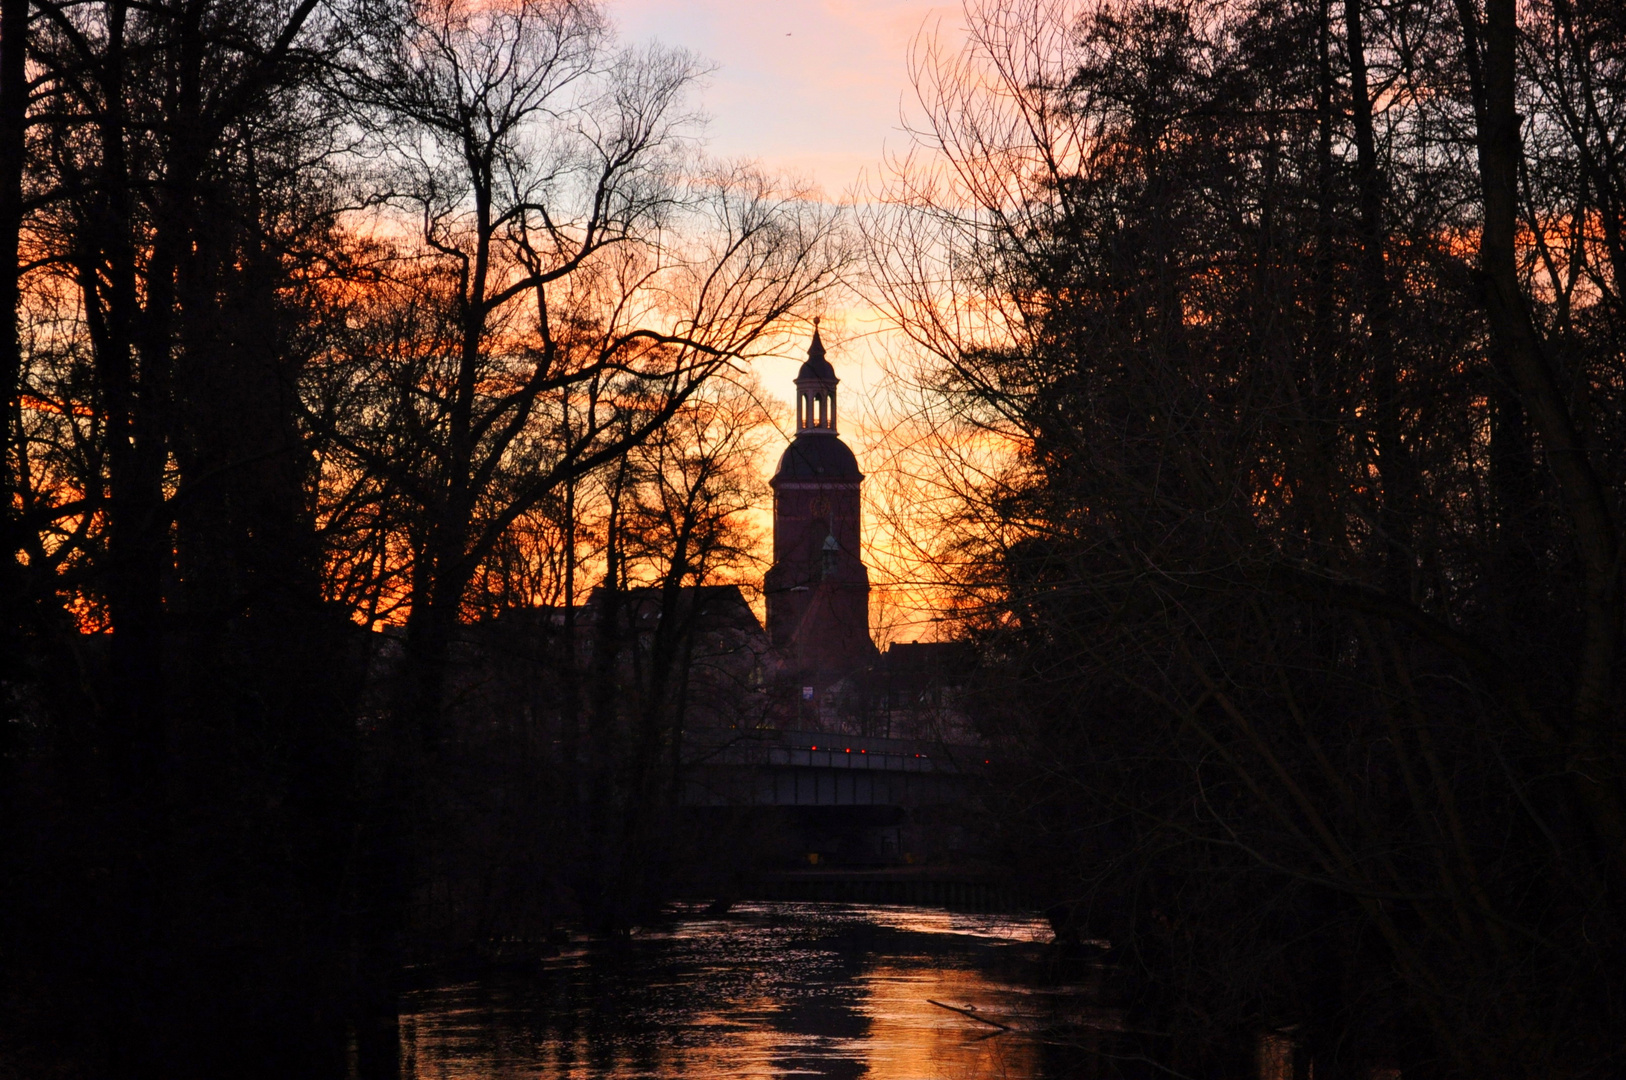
816, 366
817, 455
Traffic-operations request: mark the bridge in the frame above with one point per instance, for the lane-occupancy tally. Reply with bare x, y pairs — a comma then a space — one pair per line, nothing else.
834, 798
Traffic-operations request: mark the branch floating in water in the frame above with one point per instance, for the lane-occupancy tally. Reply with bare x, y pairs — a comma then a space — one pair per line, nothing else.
972, 1013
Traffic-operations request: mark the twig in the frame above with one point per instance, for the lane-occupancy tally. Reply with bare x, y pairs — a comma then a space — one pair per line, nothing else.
971, 1013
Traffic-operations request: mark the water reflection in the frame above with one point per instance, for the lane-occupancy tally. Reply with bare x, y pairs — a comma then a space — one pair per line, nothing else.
774, 990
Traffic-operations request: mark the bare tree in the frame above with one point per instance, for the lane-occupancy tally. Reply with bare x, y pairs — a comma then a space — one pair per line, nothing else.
575, 274
571, 244
179, 217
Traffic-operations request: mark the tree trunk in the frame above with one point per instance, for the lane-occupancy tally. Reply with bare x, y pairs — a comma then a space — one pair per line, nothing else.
1398, 485
1493, 65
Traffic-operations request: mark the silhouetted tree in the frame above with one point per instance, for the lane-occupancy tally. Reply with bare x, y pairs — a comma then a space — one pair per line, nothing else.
301, 292
1273, 351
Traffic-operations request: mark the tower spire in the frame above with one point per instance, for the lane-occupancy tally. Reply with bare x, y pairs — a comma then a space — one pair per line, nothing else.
816, 390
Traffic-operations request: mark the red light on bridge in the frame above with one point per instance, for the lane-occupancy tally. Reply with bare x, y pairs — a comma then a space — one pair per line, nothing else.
848, 750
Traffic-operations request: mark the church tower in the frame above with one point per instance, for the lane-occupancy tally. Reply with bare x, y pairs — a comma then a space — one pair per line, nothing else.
818, 588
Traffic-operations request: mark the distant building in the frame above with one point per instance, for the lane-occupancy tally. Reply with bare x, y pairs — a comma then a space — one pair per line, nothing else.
827, 672
700, 647
818, 588
916, 691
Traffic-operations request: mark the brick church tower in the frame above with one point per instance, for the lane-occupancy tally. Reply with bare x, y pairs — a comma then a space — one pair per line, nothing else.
818, 588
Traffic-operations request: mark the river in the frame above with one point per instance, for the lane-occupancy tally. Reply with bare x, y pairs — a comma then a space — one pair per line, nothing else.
771, 990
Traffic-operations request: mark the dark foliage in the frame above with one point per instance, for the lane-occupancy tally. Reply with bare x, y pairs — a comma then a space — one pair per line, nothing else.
1302, 595
300, 340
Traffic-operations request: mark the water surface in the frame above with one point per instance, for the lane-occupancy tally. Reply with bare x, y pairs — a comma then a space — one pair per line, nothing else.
772, 990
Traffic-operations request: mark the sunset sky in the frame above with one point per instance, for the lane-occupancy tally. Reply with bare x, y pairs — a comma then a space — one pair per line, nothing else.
814, 89
811, 87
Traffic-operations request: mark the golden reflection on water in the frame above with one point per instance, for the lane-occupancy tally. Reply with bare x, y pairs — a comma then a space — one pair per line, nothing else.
914, 1039
778, 990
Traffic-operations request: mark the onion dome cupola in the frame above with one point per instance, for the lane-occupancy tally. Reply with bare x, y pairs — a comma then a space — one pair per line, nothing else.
816, 391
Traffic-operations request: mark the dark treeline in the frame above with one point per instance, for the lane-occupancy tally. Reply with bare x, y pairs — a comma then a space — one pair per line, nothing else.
1302, 592
321, 316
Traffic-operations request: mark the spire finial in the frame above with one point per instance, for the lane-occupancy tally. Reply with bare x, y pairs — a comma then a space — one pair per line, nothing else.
815, 348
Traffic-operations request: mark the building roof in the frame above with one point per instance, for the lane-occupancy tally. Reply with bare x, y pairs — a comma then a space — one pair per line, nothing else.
817, 455
952, 658
817, 367
713, 607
